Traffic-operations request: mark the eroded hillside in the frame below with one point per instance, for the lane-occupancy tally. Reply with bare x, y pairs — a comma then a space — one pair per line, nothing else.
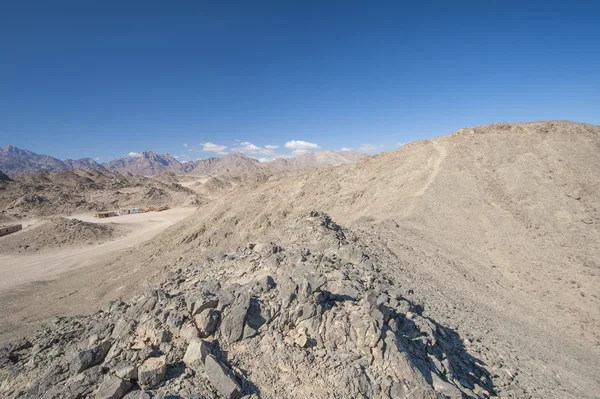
67, 192
462, 266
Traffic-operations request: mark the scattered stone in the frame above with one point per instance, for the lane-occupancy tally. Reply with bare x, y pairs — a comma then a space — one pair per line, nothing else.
197, 305
87, 358
196, 353
151, 372
301, 340
222, 378
232, 326
112, 388
207, 322
126, 371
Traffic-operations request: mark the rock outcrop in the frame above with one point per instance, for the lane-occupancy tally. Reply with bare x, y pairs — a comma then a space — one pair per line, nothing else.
302, 321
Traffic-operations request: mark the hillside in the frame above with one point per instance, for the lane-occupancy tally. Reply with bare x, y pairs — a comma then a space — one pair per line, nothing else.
68, 192
146, 164
464, 266
315, 160
59, 232
15, 161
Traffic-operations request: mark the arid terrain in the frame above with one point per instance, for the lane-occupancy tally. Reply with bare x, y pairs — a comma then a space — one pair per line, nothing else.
77, 191
463, 266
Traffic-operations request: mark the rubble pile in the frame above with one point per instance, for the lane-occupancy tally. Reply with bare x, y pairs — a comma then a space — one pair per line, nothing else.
317, 319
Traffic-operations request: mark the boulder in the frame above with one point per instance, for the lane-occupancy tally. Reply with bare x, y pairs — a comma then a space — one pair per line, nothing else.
232, 326
222, 378
151, 372
196, 353
188, 332
137, 395
207, 322
197, 305
113, 388
84, 359
126, 371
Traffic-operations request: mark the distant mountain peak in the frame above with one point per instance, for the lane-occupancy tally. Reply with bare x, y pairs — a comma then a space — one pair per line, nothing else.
15, 161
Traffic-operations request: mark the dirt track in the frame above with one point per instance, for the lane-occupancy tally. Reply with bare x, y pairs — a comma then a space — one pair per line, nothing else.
58, 274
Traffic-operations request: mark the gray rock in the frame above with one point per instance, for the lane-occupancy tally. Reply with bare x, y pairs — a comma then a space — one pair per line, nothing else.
444, 387
189, 332
196, 353
87, 358
207, 322
232, 326
255, 317
151, 372
197, 305
222, 378
126, 371
137, 395
112, 388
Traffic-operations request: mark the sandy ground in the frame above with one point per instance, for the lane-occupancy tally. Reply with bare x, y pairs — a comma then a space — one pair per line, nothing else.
18, 269
72, 280
190, 183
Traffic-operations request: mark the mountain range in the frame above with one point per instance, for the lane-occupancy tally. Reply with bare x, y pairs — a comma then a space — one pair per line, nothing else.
17, 162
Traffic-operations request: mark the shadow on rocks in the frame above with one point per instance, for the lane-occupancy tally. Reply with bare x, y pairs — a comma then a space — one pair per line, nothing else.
447, 364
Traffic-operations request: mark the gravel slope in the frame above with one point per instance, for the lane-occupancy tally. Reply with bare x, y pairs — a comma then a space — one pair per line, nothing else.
489, 233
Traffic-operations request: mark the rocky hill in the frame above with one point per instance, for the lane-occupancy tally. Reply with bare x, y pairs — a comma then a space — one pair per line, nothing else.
230, 164
83, 164
315, 160
59, 232
146, 164
17, 162
464, 266
67, 192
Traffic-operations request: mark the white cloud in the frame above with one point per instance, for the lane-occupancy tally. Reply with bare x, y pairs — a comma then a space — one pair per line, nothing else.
212, 147
185, 145
346, 149
133, 154
400, 144
176, 157
368, 148
97, 159
301, 145
222, 153
247, 147
299, 151
271, 147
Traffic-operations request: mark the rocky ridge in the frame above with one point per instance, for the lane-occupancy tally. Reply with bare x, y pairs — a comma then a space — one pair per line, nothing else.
489, 233
17, 162
310, 319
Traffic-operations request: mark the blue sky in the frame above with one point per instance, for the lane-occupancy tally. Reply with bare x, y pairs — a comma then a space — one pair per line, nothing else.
102, 79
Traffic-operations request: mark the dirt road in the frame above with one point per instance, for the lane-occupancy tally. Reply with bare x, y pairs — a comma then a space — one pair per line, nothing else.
20, 269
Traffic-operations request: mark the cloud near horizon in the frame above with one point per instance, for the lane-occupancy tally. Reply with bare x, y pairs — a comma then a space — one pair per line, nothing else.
369, 148
246, 147
300, 151
212, 147
133, 154
301, 145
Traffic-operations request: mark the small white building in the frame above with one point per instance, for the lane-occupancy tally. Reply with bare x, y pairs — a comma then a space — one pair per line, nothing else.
128, 211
